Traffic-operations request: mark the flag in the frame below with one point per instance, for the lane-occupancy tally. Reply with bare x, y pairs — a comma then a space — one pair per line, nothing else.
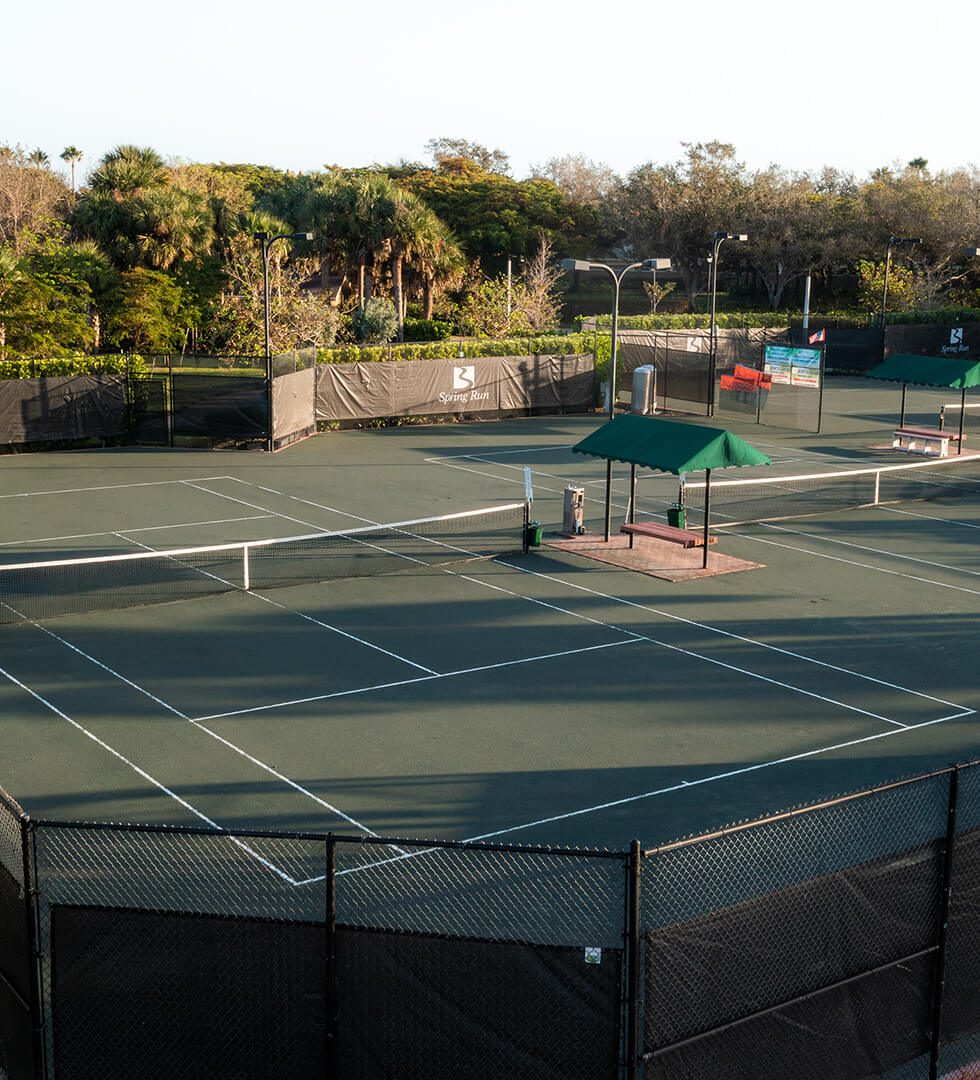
820, 335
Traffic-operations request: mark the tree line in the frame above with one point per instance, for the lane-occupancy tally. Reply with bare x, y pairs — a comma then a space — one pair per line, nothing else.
156, 256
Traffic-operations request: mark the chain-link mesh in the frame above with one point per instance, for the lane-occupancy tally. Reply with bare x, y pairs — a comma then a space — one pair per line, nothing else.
809, 944
807, 940
505, 962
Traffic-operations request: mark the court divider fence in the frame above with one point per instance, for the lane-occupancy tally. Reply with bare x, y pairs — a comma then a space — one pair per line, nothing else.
835, 941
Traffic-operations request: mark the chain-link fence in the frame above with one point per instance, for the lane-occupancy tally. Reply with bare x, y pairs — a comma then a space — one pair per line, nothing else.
834, 941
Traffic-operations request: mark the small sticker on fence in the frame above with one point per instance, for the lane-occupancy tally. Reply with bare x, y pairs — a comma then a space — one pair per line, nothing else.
593, 956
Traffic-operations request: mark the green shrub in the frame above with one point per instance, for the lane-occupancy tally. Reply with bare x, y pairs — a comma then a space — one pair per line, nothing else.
427, 330
72, 365
546, 345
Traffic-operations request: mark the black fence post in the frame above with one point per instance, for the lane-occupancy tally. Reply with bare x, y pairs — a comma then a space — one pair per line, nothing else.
633, 866
33, 921
330, 998
945, 895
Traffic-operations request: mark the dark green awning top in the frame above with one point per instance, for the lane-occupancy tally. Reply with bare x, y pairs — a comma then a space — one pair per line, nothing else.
668, 445
958, 373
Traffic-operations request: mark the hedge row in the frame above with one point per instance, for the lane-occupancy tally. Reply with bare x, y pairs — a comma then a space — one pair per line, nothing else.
550, 345
72, 365
772, 319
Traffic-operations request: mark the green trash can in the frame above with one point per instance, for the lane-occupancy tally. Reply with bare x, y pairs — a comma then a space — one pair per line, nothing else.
675, 516
532, 536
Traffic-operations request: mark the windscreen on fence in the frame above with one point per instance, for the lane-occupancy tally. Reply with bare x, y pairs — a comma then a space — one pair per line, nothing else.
293, 407
437, 387
442, 976
960, 340
853, 896
219, 406
57, 408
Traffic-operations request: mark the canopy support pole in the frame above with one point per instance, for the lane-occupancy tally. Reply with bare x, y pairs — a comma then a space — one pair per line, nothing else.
707, 508
631, 516
608, 495
901, 419
959, 445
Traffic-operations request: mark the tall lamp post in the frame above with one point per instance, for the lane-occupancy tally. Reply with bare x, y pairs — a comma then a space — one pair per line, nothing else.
718, 239
267, 241
892, 242
617, 277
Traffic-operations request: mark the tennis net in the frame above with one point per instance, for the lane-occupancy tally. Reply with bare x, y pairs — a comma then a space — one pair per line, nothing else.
775, 498
41, 590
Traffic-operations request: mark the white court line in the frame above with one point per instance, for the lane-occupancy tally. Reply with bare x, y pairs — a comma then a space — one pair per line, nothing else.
626, 800
145, 775
182, 716
418, 679
142, 528
634, 637
822, 538
114, 487
854, 562
726, 633
253, 506
931, 517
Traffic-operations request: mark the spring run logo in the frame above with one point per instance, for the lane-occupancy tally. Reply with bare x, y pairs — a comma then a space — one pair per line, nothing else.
464, 387
956, 343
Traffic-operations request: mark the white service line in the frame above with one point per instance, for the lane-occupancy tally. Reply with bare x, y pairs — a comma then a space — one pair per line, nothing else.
114, 487
726, 633
182, 716
190, 808
822, 538
854, 562
418, 679
930, 517
143, 528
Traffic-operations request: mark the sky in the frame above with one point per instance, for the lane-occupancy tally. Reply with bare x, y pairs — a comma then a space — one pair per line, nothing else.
299, 85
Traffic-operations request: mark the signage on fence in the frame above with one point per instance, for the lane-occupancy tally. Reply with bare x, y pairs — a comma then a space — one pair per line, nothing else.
793, 367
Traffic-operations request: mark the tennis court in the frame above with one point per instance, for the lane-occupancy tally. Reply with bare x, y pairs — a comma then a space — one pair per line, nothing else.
535, 697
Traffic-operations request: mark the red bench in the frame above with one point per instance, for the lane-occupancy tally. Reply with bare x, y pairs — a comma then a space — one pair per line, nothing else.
671, 533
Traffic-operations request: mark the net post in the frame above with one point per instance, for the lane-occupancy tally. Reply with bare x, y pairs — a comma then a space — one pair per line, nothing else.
245, 568
877, 486
525, 538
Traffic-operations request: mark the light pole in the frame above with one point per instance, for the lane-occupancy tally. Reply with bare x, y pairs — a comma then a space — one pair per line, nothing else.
617, 277
718, 239
267, 241
892, 242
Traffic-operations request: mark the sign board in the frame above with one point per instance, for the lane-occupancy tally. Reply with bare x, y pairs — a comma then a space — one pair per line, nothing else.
793, 367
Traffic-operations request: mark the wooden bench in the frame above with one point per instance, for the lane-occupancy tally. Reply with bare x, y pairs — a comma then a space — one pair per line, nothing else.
923, 440
673, 535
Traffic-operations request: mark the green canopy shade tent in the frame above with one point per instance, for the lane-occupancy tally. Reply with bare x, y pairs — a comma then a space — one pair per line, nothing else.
667, 446
958, 373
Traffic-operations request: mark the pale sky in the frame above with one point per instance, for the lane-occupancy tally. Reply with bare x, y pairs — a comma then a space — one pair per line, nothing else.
298, 84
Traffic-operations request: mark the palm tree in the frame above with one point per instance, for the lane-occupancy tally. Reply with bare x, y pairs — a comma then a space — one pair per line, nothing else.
38, 158
70, 155
138, 217
128, 170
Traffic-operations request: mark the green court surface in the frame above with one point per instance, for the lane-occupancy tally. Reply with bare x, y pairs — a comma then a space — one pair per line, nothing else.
536, 698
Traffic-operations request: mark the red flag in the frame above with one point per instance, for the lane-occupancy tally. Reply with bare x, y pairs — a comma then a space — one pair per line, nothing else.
820, 335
